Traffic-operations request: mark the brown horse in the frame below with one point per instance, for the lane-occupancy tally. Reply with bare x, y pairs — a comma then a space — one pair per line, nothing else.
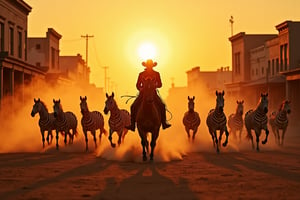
148, 117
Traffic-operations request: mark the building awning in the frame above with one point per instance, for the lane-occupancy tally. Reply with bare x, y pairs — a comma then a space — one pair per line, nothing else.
292, 74
264, 81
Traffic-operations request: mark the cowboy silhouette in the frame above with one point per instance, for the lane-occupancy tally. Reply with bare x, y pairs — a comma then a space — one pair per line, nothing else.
155, 76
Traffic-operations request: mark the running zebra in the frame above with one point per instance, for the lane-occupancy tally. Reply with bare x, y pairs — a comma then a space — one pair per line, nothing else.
91, 121
46, 120
279, 121
191, 119
118, 120
257, 120
236, 121
64, 121
216, 120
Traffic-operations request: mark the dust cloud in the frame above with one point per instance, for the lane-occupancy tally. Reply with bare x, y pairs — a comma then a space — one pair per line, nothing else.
20, 132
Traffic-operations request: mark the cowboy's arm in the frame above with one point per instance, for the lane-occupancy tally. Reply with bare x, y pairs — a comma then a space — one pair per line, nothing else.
158, 83
139, 83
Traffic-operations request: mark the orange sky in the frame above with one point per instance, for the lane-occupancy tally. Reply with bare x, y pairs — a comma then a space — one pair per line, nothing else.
186, 33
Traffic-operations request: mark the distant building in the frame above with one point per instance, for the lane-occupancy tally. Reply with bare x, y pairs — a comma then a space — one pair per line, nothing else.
74, 67
208, 81
15, 70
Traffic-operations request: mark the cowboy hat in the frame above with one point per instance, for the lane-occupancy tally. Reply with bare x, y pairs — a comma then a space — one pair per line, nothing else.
149, 63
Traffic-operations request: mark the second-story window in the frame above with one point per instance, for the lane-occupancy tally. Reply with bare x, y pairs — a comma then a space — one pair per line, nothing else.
11, 41
19, 44
1, 36
237, 61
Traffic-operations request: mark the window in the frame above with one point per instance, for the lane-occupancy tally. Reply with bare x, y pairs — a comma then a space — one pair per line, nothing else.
281, 57
237, 61
37, 46
19, 44
285, 57
52, 57
25, 46
272, 67
11, 41
277, 65
1, 36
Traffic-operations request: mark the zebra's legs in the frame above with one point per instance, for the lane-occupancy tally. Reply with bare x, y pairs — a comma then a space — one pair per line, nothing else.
188, 132
194, 134
226, 134
153, 144
86, 140
216, 140
282, 136
240, 136
43, 138
266, 139
66, 135
257, 133
110, 138
95, 139
277, 136
249, 136
213, 138
49, 135
57, 139
125, 131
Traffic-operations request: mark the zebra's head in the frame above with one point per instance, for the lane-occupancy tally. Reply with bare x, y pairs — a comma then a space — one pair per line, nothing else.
240, 107
191, 103
37, 106
83, 105
110, 103
220, 101
264, 102
285, 106
57, 108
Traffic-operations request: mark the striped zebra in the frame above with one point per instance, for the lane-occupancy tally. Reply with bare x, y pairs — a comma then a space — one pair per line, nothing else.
191, 119
91, 121
216, 120
236, 121
279, 121
46, 120
64, 121
118, 120
257, 120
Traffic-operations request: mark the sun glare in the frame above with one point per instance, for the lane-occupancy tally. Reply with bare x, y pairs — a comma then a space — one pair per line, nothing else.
147, 51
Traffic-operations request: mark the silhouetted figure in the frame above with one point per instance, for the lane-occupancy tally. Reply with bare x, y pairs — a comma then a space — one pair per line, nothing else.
148, 73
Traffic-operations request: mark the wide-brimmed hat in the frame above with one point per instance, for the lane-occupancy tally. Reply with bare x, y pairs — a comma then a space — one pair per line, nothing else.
149, 63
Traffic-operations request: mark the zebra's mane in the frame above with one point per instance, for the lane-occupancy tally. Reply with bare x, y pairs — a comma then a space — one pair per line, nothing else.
282, 105
43, 104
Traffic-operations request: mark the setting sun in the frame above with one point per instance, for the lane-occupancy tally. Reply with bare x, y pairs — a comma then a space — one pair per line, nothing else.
147, 51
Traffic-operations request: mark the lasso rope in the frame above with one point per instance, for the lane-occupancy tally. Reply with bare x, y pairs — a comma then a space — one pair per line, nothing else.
129, 97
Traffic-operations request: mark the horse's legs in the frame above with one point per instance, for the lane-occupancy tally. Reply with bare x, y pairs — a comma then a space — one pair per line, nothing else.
226, 134
57, 132
124, 133
110, 138
213, 138
144, 143
86, 140
267, 133
220, 137
153, 143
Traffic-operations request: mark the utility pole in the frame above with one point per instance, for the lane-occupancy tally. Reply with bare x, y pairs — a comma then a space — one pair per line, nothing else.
231, 22
105, 78
86, 47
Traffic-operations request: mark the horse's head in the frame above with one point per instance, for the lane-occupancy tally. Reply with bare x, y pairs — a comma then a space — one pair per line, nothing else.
149, 89
37, 106
285, 106
57, 108
191, 103
83, 105
109, 103
220, 101
264, 102
240, 107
